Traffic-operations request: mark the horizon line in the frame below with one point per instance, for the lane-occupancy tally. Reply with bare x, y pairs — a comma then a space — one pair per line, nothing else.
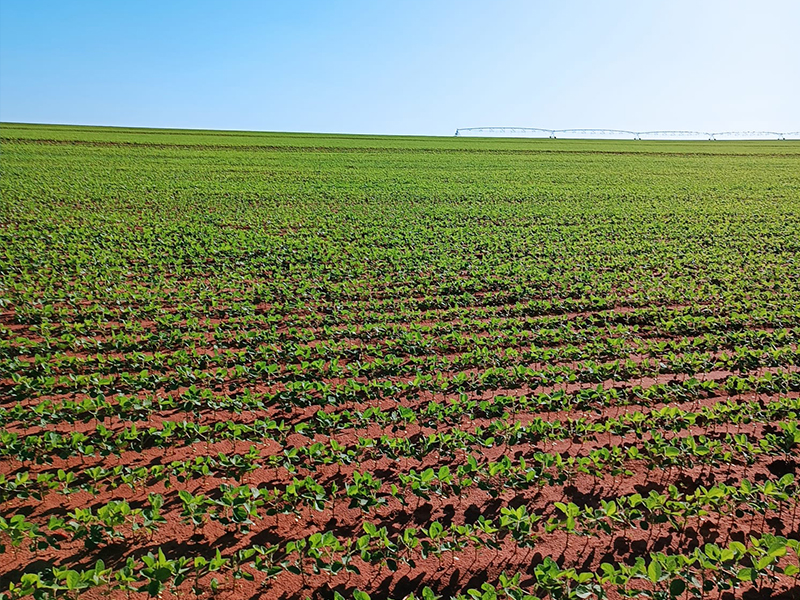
500, 129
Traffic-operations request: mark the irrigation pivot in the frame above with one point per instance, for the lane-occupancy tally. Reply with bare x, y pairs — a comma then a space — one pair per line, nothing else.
625, 134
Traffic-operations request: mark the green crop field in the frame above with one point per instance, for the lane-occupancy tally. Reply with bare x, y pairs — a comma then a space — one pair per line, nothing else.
299, 366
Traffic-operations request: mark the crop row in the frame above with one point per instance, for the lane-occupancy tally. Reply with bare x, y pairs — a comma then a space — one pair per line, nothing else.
765, 558
559, 343
540, 331
170, 310
243, 365
492, 476
239, 507
491, 378
432, 414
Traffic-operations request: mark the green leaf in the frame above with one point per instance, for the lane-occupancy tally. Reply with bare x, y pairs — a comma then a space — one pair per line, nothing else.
791, 570
777, 550
764, 562
73, 580
654, 571
427, 594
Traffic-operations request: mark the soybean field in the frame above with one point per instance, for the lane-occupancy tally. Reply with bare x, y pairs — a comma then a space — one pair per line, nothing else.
290, 366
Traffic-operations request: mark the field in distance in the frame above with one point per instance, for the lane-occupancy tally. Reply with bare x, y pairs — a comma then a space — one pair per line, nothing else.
243, 365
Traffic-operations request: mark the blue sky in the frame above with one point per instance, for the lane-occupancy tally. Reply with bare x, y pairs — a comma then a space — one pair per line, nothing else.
402, 67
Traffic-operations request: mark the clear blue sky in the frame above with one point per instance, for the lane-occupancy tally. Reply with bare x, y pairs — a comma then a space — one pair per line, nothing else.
403, 66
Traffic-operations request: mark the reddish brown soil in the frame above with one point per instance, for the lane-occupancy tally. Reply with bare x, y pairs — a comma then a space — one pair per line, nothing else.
454, 571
